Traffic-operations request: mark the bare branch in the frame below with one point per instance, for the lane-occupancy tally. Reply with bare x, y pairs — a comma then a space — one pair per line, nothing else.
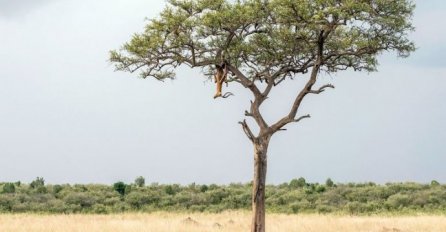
247, 114
268, 87
247, 131
284, 121
302, 117
321, 89
226, 95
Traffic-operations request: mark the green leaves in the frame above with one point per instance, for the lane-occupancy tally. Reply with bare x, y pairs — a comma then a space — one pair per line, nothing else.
269, 39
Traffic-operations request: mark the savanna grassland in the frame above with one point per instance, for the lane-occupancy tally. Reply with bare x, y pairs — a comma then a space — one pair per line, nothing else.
294, 206
230, 221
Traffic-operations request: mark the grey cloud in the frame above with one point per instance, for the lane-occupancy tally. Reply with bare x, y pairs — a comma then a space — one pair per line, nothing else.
19, 8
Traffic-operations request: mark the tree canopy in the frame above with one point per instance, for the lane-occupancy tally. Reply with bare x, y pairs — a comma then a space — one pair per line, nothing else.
268, 40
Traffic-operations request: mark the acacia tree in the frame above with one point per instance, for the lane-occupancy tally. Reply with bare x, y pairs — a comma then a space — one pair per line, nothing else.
264, 43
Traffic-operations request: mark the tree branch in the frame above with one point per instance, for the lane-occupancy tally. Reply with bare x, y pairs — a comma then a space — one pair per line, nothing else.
247, 131
302, 117
321, 89
258, 97
247, 114
268, 87
306, 90
245, 81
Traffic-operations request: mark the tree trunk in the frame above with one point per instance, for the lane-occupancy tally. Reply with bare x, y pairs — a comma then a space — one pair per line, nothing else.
258, 186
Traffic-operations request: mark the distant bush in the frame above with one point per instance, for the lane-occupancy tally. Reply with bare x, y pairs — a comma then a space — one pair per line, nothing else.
204, 188
84, 200
320, 188
41, 189
398, 201
38, 182
120, 187
9, 188
329, 183
140, 181
295, 197
57, 188
169, 190
297, 183
435, 183
137, 199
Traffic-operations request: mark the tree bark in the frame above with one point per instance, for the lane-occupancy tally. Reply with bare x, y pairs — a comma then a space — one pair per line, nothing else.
258, 186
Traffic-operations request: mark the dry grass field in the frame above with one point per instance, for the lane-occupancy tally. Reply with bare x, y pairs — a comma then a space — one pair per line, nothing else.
224, 222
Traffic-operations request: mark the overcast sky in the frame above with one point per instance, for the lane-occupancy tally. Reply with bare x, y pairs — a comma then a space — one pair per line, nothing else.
67, 116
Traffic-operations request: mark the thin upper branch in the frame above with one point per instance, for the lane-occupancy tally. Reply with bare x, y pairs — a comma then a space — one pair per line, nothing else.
321, 89
247, 131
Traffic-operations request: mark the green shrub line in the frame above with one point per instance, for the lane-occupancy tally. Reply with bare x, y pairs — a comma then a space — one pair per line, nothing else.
295, 197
